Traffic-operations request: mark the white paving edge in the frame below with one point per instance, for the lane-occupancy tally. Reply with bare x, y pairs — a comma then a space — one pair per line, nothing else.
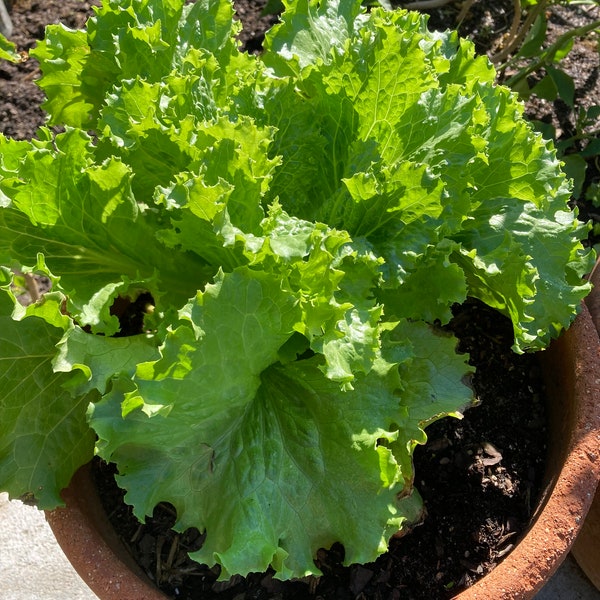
32, 565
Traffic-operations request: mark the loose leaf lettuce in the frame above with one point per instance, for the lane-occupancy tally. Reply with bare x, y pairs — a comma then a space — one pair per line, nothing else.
296, 221
258, 441
44, 436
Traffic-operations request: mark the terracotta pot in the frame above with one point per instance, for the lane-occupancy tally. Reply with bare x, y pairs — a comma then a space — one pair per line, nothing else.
586, 549
573, 471
89, 541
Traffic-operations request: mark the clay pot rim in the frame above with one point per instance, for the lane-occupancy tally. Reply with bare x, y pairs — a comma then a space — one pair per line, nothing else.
521, 574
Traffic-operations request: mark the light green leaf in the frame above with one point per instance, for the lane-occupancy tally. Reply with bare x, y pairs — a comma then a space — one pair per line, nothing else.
310, 32
429, 291
434, 380
100, 358
63, 55
8, 50
87, 226
125, 40
500, 270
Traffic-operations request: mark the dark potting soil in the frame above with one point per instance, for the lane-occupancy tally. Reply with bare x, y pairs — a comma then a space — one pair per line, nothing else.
479, 478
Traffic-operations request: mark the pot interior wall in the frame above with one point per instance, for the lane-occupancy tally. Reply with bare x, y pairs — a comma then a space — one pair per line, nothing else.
559, 365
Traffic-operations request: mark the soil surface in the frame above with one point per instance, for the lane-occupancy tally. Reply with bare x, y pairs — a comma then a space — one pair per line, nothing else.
478, 476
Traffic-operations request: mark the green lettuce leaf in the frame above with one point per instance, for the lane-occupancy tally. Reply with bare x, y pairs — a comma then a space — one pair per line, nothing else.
271, 459
421, 156
44, 435
88, 227
310, 33
128, 39
8, 50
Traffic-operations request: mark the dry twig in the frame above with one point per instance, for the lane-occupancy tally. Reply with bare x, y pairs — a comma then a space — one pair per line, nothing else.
425, 4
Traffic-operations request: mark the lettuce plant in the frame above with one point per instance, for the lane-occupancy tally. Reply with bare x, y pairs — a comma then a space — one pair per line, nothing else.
294, 225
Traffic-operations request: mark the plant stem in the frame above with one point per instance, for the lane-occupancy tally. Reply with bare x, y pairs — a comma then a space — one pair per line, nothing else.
579, 136
425, 4
32, 287
548, 55
464, 10
518, 33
